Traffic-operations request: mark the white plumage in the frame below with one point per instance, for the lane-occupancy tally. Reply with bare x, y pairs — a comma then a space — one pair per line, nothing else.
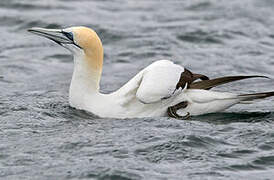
159, 81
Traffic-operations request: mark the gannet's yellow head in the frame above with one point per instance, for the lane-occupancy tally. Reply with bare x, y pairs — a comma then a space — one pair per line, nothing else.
79, 40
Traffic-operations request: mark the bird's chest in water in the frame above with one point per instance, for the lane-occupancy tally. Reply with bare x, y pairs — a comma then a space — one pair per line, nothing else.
76, 101
77, 97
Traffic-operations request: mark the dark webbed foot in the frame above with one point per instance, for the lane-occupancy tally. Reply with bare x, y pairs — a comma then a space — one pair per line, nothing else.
172, 110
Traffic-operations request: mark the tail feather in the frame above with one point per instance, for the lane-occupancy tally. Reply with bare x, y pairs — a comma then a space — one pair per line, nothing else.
249, 97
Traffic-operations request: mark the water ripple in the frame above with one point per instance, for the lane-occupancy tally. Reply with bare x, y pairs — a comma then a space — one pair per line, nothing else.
42, 137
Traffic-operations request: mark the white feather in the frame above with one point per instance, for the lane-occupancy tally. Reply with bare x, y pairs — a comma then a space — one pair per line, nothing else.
159, 81
143, 95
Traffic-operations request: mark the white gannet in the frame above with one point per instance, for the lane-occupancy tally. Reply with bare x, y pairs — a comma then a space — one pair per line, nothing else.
161, 89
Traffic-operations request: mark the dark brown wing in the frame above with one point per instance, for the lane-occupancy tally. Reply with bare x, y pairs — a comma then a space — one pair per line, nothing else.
208, 84
188, 77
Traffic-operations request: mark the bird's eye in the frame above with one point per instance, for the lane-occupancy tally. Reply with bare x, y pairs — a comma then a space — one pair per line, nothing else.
69, 35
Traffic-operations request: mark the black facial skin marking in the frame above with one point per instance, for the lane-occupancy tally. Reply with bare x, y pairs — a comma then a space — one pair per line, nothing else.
69, 35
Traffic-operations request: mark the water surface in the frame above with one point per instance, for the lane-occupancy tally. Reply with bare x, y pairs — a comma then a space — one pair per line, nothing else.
43, 138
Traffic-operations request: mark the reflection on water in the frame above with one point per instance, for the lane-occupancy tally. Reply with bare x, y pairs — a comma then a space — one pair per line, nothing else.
44, 138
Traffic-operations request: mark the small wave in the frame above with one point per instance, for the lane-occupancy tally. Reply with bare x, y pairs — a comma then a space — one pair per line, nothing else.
63, 110
232, 117
61, 57
243, 167
28, 24
201, 37
199, 6
20, 69
25, 6
214, 175
108, 36
113, 174
266, 146
10, 21
264, 161
237, 153
182, 148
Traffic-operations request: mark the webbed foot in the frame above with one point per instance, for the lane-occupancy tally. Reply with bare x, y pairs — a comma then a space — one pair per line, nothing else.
172, 110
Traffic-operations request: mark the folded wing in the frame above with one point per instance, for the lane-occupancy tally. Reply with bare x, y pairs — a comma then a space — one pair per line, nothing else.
208, 84
159, 81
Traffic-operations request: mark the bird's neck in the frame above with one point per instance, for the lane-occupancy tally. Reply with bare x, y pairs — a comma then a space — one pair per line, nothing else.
86, 78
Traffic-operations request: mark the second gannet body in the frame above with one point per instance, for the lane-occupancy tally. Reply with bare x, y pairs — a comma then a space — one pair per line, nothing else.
163, 88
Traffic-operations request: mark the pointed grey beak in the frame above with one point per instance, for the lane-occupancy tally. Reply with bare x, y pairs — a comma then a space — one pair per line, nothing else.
57, 35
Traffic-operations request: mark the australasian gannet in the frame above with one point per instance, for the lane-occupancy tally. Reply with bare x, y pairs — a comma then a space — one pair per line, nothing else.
163, 88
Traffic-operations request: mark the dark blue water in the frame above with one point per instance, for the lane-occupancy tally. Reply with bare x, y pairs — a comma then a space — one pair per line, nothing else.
41, 137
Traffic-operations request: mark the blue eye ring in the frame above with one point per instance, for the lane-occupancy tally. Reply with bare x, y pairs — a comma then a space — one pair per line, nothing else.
69, 35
